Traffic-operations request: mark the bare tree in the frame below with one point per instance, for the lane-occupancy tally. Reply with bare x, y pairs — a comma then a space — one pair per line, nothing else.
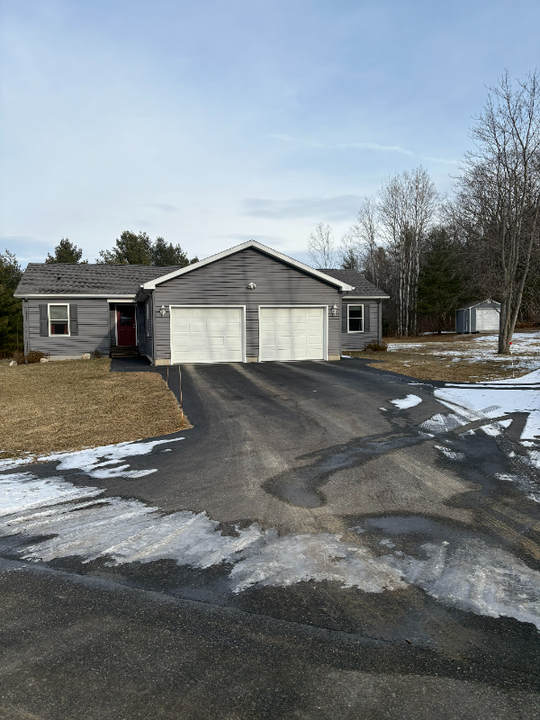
499, 190
321, 247
407, 203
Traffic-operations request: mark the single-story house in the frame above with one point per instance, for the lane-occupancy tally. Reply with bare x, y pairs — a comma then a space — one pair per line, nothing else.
478, 317
249, 303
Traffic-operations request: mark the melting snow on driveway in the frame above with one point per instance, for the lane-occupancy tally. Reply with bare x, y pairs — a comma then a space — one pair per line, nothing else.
53, 518
407, 402
497, 398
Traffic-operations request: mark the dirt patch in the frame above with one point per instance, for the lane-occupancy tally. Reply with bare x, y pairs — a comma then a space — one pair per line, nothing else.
71, 405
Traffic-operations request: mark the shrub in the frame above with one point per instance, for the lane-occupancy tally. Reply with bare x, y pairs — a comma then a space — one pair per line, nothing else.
34, 356
18, 356
97, 354
376, 346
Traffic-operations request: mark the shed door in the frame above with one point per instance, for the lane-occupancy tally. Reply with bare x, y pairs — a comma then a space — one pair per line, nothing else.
207, 335
292, 333
487, 320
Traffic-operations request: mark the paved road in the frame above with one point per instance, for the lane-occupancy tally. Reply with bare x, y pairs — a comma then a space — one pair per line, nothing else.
343, 558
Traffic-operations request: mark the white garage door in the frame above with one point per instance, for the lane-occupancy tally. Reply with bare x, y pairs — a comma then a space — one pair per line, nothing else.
487, 320
200, 335
292, 333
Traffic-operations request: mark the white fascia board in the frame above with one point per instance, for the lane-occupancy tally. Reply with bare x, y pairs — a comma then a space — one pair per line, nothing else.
366, 297
245, 246
109, 298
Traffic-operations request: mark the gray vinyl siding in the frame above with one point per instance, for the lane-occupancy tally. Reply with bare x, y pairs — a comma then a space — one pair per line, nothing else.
359, 340
225, 282
93, 330
112, 323
141, 329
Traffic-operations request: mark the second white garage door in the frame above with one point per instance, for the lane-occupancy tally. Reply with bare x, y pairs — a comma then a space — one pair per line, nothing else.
206, 335
292, 333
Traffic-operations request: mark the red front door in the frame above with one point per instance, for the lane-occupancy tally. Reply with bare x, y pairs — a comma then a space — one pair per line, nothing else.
125, 324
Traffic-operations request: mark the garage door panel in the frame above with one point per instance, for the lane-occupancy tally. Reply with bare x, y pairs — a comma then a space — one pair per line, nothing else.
292, 334
203, 335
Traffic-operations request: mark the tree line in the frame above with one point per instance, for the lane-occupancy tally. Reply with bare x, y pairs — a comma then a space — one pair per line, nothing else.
432, 253
129, 249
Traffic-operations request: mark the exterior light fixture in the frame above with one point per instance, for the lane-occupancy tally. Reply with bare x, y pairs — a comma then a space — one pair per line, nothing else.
333, 310
163, 311
252, 286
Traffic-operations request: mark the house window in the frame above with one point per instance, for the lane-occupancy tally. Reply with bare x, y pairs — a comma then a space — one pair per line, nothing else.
355, 318
58, 319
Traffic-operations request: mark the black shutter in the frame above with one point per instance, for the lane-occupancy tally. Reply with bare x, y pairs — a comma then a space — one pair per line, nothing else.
366, 318
343, 318
43, 321
73, 320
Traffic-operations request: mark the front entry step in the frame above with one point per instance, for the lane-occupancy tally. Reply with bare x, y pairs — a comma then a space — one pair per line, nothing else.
122, 351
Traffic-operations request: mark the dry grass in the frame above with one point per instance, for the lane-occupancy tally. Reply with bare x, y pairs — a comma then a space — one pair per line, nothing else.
453, 358
60, 406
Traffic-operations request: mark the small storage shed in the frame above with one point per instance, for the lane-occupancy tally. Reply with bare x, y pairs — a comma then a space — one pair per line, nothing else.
478, 317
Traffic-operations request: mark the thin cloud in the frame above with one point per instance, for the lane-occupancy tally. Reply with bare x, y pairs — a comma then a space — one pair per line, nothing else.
362, 146
341, 207
163, 207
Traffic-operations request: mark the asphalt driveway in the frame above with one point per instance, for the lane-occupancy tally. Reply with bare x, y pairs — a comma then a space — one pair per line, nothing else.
309, 549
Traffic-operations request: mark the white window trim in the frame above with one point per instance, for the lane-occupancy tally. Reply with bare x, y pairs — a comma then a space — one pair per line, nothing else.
325, 328
49, 305
208, 362
355, 332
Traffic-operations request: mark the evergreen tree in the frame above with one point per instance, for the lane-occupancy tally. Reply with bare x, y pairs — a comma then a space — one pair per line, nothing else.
138, 249
66, 252
131, 249
11, 321
440, 286
350, 260
168, 254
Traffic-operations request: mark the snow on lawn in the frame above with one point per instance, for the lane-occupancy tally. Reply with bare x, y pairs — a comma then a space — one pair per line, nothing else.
71, 520
407, 402
525, 350
497, 398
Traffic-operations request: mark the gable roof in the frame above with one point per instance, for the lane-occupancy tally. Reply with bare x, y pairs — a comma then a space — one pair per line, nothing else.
320, 274
361, 286
492, 303
91, 280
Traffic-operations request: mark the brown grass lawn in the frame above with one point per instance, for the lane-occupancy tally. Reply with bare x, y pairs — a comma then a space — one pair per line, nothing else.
71, 405
428, 360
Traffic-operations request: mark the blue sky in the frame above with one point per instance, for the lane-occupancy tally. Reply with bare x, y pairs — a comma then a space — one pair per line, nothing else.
216, 121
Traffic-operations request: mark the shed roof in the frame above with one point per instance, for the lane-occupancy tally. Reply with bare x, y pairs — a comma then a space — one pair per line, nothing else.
489, 303
361, 286
86, 279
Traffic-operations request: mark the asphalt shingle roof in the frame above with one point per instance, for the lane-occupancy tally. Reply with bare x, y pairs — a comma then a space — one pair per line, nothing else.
362, 287
64, 278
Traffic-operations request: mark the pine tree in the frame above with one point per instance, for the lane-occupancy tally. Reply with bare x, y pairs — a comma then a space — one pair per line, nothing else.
440, 287
66, 252
168, 254
11, 324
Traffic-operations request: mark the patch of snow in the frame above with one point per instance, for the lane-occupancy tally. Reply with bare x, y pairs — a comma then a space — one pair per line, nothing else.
292, 559
440, 423
524, 483
11, 463
450, 454
407, 402
478, 578
76, 521
93, 460
349, 357
497, 399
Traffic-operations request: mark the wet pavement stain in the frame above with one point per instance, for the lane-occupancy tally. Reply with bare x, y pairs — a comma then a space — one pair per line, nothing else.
301, 485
